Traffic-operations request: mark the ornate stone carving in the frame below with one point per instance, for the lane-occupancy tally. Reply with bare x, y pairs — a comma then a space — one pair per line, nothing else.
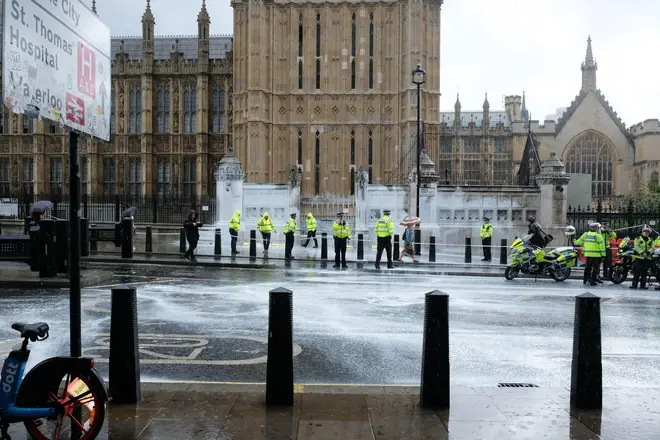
134, 147
175, 107
335, 109
362, 178
4, 145
189, 145
14, 123
295, 177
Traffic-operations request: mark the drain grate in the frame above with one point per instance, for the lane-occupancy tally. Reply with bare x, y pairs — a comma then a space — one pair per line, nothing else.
516, 385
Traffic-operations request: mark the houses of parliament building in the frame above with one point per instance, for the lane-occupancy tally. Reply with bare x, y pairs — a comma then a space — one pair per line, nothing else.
324, 88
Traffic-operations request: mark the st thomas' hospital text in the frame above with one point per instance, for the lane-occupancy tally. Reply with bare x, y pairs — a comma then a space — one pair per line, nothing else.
39, 52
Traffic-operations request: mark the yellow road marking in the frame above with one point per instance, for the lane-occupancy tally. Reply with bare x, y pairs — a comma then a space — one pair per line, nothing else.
298, 388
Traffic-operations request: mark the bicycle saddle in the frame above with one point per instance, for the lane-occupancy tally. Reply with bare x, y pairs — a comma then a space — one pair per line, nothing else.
32, 331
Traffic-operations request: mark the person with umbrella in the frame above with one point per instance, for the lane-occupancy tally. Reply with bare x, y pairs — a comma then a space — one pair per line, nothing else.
384, 233
409, 238
191, 225
37, 213
130, 213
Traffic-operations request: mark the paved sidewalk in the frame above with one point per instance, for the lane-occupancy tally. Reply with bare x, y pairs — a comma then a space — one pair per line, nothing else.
237, 411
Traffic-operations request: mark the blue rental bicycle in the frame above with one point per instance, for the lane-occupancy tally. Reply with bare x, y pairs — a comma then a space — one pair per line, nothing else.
56, 396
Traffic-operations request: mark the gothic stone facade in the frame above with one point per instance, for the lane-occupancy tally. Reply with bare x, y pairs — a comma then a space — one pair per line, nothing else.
171, 124
327, 87
485, 147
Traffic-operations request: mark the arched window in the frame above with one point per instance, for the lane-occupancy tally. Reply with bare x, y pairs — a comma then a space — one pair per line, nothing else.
591, 153
655, 177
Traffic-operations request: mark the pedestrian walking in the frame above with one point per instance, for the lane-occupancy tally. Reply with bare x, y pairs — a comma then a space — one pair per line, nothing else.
384, 233
608, 235
341, 232
289, 236
486, 235
311, 230
265, 227
642, 251
234, 226
408, 241
593, 248
191, 226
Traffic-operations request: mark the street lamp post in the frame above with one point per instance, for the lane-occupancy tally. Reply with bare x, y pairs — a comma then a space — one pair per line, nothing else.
418, 76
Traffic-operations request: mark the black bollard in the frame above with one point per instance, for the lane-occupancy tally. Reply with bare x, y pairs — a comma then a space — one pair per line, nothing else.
587, 367
432, 249
360, 247
84, 237
253, 244
324, 245
418, 240
61, 234
124, 368
504, 251
217, 246
127, 238
395, 252
46, 249
434, 387
148, 240
93, 244
182, 240
279, 364
468, 250
1, 229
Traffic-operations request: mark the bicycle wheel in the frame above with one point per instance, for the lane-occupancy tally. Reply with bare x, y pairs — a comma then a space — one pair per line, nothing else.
79, 404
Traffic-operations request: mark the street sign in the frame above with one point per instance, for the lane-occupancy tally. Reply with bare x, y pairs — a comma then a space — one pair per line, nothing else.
56, 64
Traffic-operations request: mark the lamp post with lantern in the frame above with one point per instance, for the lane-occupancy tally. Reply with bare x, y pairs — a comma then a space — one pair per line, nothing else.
418, 78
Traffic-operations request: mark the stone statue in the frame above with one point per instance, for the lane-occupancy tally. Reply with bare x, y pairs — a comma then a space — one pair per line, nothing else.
362, 178
295, 177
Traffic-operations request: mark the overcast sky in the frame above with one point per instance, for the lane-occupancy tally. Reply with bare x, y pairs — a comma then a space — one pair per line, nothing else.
501, 47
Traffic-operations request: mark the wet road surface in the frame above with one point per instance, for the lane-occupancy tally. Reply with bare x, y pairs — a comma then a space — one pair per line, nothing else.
198, 324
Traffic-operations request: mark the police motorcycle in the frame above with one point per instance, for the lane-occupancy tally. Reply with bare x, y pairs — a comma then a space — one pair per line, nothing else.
531, 260
622, 268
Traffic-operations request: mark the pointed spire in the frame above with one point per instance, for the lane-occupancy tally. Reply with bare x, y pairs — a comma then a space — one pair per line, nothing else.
589, 58
203, 13
589, 61
589, 68
94, 7
486, 103
524, 113
148, 16
457, 105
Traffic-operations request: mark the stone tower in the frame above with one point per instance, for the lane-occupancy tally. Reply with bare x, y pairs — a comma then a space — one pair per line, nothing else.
327, 87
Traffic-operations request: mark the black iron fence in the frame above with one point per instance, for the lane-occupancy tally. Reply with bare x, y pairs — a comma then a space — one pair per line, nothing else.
152, 210
624, 219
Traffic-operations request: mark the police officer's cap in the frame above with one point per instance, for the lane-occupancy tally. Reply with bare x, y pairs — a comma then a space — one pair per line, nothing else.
486, 219
293, 214
387, 211
340, 213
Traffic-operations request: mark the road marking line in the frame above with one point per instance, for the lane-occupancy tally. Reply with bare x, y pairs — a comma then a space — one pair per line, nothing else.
298, 388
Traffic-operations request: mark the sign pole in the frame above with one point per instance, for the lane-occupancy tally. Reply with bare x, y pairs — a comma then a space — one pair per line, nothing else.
74, 249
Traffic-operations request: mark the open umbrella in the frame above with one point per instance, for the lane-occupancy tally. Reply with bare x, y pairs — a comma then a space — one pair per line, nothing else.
42, 206
129, 212
410, 220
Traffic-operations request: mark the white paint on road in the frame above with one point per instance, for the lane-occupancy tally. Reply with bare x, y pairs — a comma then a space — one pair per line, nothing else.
167, 341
